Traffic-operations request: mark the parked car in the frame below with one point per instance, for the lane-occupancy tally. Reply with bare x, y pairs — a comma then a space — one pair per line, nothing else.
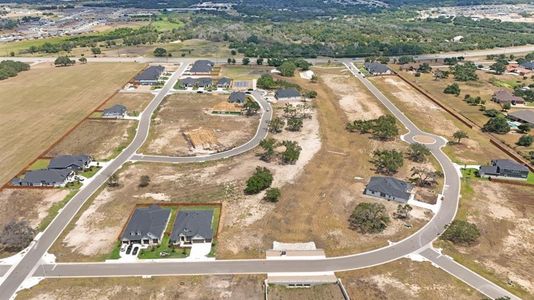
135, 250
129, 249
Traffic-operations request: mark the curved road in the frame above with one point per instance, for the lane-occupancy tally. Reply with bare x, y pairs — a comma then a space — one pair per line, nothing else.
417, 243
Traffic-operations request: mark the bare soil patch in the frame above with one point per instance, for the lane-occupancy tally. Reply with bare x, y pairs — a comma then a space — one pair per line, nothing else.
318, 292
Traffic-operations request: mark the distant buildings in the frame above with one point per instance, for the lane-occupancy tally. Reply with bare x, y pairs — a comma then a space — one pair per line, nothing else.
505, 96
525, 116
375, 68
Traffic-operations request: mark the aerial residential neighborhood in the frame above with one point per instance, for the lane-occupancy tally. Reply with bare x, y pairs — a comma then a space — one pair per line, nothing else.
372, 149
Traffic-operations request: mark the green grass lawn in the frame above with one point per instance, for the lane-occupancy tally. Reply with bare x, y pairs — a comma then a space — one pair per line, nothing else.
469, 173
508, 84
39, 164
90, 172
172, 252
166, 25
530, 178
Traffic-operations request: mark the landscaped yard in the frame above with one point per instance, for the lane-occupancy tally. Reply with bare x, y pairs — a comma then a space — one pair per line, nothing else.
33, 117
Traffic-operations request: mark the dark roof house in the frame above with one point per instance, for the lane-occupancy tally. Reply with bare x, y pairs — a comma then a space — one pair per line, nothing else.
204, 82
116, 111
149, 75
237, 97
505, 96
287, 94
202, 66
504, 168
389, 188
188, 82
529, 65
523, 116
224, 82
376, 68
192, 226
73, 162
147, 225
44, 177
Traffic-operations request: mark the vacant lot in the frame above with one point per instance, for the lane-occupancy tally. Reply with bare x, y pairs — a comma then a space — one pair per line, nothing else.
318, 292
405, 279
182, 114
134, 102
40, 105
179, 287
101, 139
240, 72
503, 213
430, 117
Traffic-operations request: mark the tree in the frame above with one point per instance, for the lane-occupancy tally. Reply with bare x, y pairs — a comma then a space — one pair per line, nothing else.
246, 61
266, 81
424, 68
369, 218
83, 60
385, 127
96, 50
64, 61
160, 52
425, 177
233, 52
523, 128
498, 67
259, 61
459, 135
251, 107
418, 152
144, 181
292, 152
268, 145
387, 161
16, 236
229, 61
276, 125
405, 60
294, 123
465, 72
259, 181
492, 113
453, 89
506, 106
497, 124
525, 140
403, 212
310, 94
287, 69
461, 232
272, 195
113, 181
233, 61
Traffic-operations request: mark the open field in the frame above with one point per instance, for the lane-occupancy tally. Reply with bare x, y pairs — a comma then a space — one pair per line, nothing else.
40, 105
186, 116
503, 213
405, 279
318, 292
430, 117
180, 287
101, 139
240, 72
134, 102
197, 48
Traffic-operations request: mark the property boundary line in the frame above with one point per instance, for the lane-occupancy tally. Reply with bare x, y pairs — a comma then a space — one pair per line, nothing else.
8, 184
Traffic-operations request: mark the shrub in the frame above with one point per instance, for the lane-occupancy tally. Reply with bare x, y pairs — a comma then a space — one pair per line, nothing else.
461, 232
525, 140
272, 195
16, 236
453, 89
144, 181
369, 218
259, 181
418, 152
497, 125
387, 161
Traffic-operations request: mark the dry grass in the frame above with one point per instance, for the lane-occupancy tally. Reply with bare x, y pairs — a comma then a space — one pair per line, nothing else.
429, 117
134, 102
240, 72
40, 105
179, 287
100, 139
405, 279
318, 292
182, 113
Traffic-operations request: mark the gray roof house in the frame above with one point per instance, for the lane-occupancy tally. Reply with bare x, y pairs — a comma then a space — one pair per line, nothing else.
224, 82
146, 226
204, 82
188, 82
524, 116
529, 65
72, 162
505, 96
288, 94
44, 177
150, 75
389, 188
192, 226
116, 111
376, 68
504, 168
237, 97
202, 67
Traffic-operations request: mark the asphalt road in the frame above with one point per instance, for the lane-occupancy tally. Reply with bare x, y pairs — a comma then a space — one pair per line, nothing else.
261, 133
32, 258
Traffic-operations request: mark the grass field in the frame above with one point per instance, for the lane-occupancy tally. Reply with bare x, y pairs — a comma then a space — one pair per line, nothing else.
40, 105
197, 48
240, 72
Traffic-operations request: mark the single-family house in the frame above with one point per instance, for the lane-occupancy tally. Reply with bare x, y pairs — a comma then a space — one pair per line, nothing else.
529, 65
192, 227
389, 188
117, 111
505, 96
71, 162
46, 177
224, 83
188, 82
149, 76
288, 94
376, 68
204, 82
146, 226
410, 66
504, 168
237, 97
518, 69
202, 67
525, 116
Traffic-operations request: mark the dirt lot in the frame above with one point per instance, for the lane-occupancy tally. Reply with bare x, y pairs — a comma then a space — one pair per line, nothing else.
183, 113
101, 139
503, 213
428, 116
33, 117
134, 102
405, 279
240, 72
318, 292
185, 287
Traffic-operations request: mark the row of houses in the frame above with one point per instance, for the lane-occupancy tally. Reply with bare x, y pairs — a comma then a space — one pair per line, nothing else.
61, 170
205, 82
147, 227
